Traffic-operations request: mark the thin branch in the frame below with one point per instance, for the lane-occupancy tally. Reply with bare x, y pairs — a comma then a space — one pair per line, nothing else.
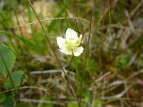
120, 26
45, 20
48, 102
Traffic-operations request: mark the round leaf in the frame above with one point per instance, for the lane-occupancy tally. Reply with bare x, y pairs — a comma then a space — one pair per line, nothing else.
9, 102
18, 78
2, 97
9, 59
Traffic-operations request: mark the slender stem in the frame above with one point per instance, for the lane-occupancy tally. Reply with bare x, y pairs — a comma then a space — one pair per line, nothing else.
68, 86
88, 41
30, 19
71, 60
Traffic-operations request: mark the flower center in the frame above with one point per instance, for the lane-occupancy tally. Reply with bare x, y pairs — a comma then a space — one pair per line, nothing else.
66, 42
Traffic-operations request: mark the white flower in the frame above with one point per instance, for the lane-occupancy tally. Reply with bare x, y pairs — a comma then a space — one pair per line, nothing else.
71, 43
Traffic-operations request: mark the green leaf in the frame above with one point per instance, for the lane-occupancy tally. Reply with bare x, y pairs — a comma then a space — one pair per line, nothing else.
9, 59
2, 97
9, 102
18, 78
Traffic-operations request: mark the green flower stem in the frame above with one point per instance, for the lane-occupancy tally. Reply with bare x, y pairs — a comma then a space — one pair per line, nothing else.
71, 59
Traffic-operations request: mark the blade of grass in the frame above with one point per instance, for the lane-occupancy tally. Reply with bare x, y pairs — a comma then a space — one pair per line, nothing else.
87, 48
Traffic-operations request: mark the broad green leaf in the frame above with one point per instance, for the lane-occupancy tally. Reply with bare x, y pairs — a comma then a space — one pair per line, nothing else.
9, 102
18, 78
9, 59
2, 97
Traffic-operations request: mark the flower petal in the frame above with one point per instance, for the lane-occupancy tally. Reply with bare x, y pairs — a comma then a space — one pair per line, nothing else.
65, 51
78, 51
61, 42
80, 36
70, 33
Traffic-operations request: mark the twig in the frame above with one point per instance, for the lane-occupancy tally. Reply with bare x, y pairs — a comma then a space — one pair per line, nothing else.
136, 8
103, 76
48, 102
62, 18
50, 71
121, 27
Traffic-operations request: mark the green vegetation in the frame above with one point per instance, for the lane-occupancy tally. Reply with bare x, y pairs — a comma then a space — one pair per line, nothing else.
34, 73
